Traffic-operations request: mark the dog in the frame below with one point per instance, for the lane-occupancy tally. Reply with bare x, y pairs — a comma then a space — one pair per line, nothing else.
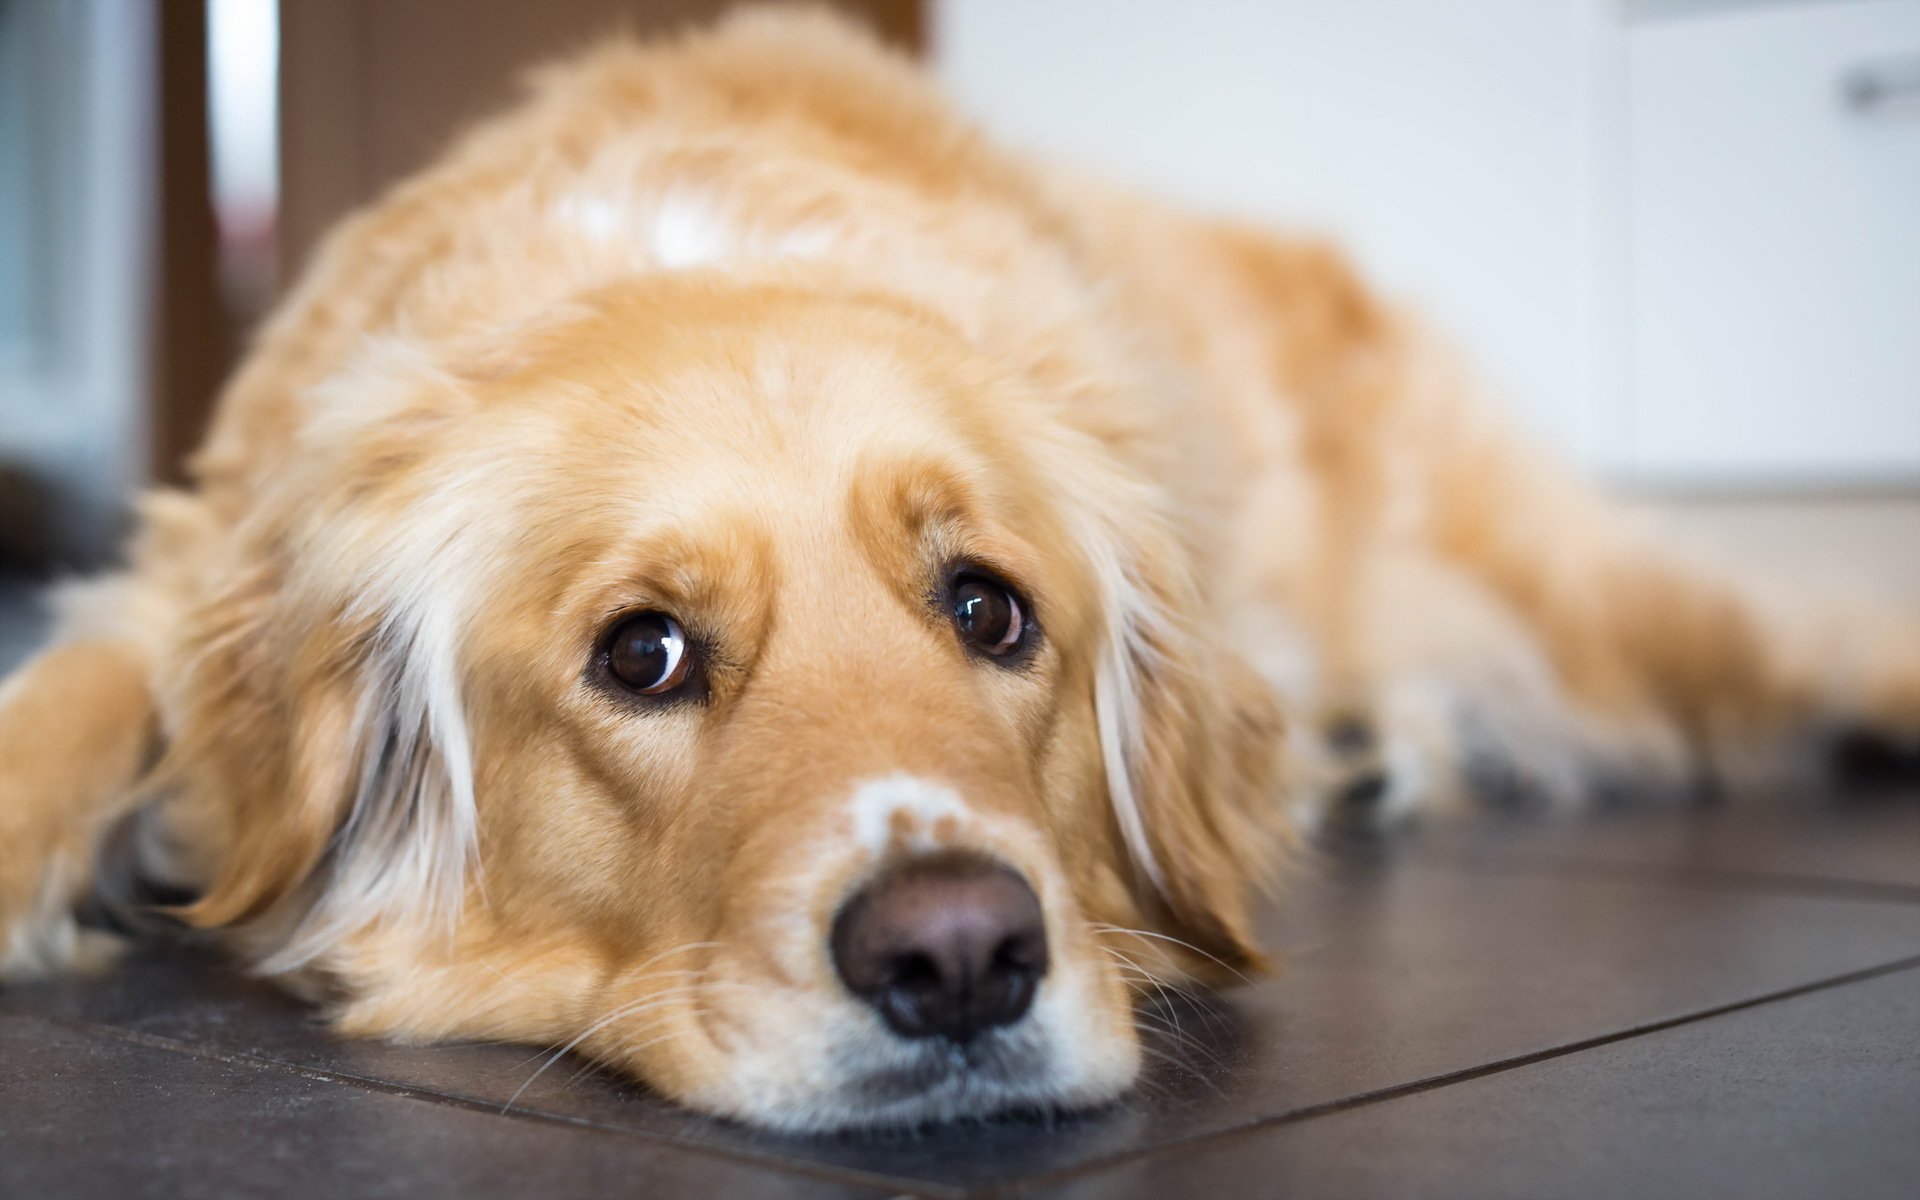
733, 573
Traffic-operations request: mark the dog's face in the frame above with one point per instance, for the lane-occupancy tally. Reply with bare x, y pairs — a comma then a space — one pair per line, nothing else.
722, 683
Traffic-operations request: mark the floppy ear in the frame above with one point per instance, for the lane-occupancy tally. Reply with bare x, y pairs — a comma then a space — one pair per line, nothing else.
324, 735
320, 705
1193, 742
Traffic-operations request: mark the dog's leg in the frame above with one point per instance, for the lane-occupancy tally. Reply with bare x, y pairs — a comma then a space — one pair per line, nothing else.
76, 732
1484, 622
1640, 637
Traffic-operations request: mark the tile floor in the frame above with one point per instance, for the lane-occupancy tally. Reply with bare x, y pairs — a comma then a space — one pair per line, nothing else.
1699, 1002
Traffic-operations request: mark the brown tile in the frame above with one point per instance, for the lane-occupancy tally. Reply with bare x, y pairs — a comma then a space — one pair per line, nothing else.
88, 1115
1869, 843
1408, 971
1817, 1095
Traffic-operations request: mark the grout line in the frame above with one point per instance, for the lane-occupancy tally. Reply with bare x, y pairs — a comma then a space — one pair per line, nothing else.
889, 1185
1741, 879
1449, 1078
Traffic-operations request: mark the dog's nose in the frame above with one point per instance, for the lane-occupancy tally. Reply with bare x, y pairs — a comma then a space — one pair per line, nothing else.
944, 946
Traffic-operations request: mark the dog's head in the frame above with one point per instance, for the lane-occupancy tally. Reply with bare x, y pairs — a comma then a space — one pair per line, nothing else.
757, 690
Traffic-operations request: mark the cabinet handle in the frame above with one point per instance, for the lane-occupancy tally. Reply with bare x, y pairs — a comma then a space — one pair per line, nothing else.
1882, 84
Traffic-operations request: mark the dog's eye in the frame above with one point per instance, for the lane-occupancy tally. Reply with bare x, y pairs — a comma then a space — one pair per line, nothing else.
649, 653
988, 615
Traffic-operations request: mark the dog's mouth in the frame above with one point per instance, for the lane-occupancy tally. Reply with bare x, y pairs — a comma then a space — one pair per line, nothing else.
1015, 1063
1006, 1074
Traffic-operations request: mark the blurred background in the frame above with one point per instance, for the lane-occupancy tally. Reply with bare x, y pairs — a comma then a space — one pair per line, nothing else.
1681, 238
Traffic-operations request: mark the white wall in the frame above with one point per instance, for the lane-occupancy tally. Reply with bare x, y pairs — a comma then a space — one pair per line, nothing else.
1446, 142
1656, 225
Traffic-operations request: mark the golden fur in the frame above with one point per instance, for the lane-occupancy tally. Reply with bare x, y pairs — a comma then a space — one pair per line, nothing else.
751, 328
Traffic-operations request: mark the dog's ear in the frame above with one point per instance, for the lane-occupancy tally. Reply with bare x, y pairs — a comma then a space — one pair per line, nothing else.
1194, 744
327, 734
320, 698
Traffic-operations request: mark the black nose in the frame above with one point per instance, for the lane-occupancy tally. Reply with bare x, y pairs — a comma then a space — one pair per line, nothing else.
943, 946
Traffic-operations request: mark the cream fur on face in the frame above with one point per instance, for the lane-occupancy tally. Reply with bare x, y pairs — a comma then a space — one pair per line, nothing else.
748, 338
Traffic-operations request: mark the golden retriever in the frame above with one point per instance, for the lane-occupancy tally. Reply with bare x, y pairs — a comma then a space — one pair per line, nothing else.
732, 572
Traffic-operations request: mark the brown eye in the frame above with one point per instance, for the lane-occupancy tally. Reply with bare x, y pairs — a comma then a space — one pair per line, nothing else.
987, 615
649, 653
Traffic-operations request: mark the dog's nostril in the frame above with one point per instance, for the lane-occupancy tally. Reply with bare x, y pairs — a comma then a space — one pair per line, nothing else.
1013, 955
946, 946
915, 971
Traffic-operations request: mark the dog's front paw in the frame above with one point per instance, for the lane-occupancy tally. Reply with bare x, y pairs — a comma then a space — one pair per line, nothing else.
39, 933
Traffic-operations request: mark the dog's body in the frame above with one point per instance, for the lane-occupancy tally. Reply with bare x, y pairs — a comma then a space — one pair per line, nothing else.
747, 343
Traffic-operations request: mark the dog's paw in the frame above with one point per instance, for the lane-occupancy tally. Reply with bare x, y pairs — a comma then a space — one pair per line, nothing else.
1369, 774
1387, 760
39, 932
1355, 785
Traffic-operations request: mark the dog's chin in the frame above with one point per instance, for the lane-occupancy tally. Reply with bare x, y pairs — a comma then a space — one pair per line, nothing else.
942, 1088
999, 1075
914, 1085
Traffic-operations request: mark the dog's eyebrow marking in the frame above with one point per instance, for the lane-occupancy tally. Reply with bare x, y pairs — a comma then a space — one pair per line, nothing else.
906, 808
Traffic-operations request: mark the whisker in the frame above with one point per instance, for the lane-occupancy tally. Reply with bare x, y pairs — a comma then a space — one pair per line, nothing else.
1186, 1067
638, 1005
1158, 984
1181, 1039
1168, 997
623, 1012
1153, 1087
589, 1065
1164, 937
1169, 1013
681, 948
650, 995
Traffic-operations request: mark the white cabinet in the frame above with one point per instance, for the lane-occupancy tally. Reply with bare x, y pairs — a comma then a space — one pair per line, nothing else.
1774, 222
